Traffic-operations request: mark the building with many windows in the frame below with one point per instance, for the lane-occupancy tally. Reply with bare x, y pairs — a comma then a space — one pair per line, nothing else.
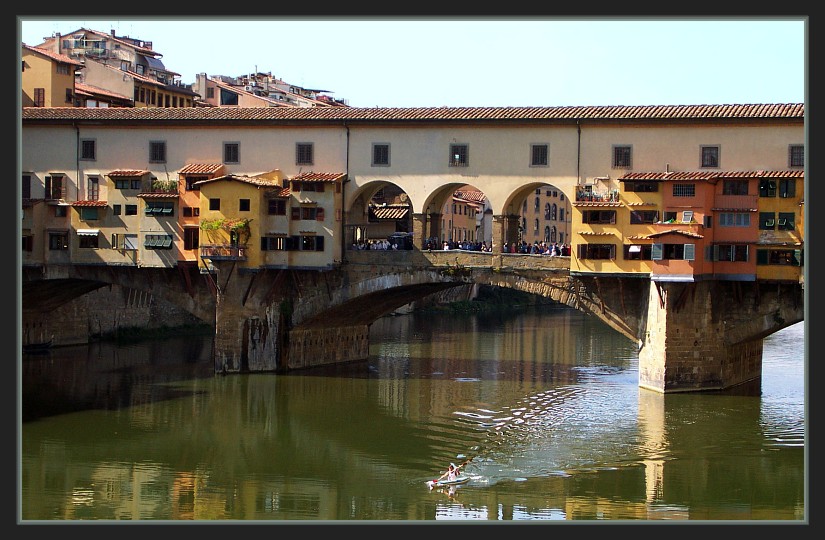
674, 193
126, 67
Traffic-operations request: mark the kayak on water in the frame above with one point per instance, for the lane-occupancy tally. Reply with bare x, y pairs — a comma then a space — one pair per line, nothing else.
445, 482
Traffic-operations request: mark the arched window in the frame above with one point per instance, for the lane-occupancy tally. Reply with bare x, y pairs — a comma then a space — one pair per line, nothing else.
553, 210
524, 206
553, 234
536, 226
547, 210
547, 234
538, 204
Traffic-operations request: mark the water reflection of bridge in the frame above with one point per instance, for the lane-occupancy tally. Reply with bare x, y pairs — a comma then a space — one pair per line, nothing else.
704, 335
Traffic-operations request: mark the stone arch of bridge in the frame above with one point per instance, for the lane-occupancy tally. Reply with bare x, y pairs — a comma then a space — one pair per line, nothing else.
362, 301
427, 204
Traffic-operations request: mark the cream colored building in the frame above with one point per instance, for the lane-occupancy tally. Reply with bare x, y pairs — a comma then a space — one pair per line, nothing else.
428, 153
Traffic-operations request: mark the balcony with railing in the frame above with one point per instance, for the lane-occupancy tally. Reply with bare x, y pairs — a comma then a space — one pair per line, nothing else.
223, 252
160, 189
602, 197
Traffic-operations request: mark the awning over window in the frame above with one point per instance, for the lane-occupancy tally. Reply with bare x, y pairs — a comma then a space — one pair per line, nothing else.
88, 232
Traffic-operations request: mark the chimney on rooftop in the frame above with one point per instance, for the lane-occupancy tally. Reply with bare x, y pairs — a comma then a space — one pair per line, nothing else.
113, 32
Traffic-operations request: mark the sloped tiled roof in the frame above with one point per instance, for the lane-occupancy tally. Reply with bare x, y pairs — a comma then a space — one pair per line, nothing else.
126, 172
89, 203
709, 175
53, 55
390, 211
279, 191
311, 176
675, 231
245, 179
90, 90
201, 168
566, 114
472, 195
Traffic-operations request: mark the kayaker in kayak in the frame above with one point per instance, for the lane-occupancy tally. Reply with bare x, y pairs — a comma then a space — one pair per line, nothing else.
452, 472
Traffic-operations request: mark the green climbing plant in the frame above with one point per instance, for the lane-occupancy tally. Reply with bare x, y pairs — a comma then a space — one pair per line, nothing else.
239, 226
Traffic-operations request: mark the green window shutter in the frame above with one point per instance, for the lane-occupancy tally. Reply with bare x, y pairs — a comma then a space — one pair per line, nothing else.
656, 252
690, 252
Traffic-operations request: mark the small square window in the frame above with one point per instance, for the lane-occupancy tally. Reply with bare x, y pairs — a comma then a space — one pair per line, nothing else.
157, 151
214, 204
232, 152
710, 156
243, 205
380, 155
622, 157
87, 149
539, 155
303, 153
796, 155
459, 155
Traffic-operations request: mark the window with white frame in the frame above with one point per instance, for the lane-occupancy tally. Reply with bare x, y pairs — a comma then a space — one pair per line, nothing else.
685, 252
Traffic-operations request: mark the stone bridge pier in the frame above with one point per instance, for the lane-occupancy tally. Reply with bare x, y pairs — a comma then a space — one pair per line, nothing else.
708, 335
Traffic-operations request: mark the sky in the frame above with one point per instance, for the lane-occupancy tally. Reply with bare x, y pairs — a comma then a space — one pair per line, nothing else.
484, 62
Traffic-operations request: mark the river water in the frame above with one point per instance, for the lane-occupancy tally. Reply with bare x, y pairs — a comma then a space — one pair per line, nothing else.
540, 407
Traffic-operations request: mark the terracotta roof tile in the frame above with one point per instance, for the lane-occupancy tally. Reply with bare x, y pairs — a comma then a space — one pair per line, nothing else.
89, 203
675, 231
709, 175
159, 195
53, 55
278, 192
596, 233
88, 89
245, 179
597, 203
127, 172
564, 114
391, 212
202, 168
311, 176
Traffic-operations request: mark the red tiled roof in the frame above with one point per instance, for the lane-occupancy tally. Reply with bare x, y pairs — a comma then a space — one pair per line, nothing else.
675, 231
596, 233
53, 55
709, 175
278, 192
159, 195
391, 211
127, 172
596, 203
201, 168
89, 203
311, 176
90, 90
472, 195
245, 179
565, 114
